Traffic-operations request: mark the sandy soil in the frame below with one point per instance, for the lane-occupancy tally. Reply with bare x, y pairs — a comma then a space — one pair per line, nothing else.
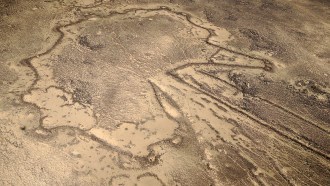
191, 92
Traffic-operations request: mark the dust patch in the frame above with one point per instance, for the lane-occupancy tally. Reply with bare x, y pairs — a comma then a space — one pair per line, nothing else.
59, 109
136, 138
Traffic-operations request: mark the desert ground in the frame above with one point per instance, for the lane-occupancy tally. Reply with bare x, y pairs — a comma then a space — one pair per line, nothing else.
165, 92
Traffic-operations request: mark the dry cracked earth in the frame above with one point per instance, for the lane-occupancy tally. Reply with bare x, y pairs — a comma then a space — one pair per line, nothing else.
190, 92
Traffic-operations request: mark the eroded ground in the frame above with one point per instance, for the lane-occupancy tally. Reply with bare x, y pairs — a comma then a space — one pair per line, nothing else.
164, 92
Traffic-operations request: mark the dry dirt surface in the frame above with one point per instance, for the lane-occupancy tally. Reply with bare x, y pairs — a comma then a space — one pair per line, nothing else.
189, 92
